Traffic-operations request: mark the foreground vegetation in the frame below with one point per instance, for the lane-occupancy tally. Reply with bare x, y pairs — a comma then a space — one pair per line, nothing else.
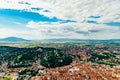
55, 59
105, 58
24, 57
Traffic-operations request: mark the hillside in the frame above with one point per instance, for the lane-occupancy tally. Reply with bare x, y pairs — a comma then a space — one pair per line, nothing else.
13, 40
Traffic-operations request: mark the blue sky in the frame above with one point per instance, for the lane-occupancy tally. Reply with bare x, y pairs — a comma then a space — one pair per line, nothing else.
24, 17
47, 19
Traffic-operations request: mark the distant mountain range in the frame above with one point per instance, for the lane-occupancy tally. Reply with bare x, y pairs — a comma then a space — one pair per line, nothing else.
13, 40
17, 40
82, 40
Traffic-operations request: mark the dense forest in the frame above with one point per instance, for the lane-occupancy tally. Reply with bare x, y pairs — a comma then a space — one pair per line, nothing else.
24, 57
54, 57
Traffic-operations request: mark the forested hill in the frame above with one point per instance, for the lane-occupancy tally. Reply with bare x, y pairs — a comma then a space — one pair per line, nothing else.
12, 40
24, 57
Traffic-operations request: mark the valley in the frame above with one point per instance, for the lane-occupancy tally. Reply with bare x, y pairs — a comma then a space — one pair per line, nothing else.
56, 61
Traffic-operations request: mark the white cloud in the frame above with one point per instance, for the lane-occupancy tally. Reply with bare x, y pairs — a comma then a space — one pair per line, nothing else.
4, 32
74, 30
78, 10
27, 34
40, 30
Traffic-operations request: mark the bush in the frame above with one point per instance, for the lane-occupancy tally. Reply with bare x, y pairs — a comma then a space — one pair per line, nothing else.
26, 71
7, 78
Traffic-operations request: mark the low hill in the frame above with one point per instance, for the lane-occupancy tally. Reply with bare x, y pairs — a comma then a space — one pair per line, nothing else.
12, 40
83, 40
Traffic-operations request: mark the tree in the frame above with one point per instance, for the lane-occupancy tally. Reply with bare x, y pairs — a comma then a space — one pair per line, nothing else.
53, 59
8, 77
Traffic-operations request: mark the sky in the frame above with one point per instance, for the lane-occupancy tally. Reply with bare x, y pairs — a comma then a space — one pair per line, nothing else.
51, 19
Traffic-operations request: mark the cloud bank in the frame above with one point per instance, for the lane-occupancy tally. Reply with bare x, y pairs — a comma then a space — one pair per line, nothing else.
83, 19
